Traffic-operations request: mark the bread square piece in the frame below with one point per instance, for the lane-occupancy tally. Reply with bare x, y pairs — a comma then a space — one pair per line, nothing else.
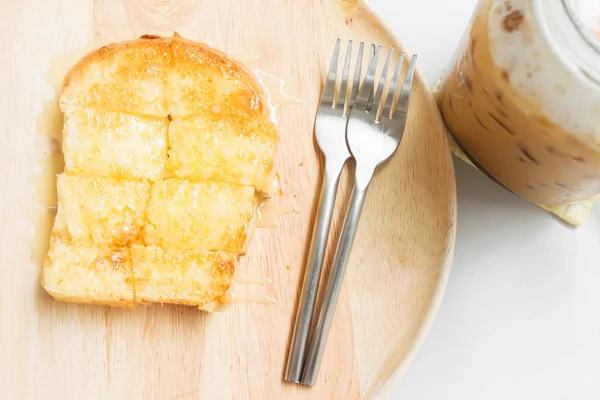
112, 144
101, 211
184, 215
127, 77
206, 148
191, 277
88, 274
203, 80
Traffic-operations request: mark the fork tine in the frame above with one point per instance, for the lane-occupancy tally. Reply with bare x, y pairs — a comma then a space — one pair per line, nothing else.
345, 74
382, 80
329, 90
393, 87
366, 89
402, 107
371, 55
357, 72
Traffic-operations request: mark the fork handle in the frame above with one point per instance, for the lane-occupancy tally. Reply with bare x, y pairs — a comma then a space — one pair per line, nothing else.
306, 305
334, 284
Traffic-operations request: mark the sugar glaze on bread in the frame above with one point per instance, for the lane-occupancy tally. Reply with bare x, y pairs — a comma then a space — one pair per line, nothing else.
168, 147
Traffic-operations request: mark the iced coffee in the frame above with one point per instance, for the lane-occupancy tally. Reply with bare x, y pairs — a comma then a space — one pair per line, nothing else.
522, 98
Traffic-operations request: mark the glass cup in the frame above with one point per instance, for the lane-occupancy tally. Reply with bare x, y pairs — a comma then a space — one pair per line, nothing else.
522, 98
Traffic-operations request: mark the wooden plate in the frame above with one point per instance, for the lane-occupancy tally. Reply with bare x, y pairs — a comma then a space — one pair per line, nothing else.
399, 265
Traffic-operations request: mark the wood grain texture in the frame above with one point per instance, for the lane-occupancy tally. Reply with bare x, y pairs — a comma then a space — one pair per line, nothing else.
399, 265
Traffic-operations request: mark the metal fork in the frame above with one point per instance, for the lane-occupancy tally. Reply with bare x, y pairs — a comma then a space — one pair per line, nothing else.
330, 132
375, 128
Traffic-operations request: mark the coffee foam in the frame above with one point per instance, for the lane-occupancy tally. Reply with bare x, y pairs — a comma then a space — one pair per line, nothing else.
564, 96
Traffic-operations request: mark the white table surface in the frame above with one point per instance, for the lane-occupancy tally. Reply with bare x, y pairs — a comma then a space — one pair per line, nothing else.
521, 315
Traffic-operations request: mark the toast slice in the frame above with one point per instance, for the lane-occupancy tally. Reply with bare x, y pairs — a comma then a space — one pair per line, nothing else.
168, 147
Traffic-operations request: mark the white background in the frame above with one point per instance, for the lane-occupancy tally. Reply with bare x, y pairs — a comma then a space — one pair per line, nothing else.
521, 315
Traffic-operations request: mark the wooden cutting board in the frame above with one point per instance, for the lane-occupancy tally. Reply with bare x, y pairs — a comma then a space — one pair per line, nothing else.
399, 265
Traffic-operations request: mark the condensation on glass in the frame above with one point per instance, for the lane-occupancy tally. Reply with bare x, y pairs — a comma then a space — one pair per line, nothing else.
522, 97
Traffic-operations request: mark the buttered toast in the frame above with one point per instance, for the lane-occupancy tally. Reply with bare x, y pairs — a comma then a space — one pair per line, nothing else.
168, 147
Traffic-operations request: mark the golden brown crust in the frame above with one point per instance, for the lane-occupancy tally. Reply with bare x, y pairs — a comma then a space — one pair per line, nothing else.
202, 80
127, 76
161, 76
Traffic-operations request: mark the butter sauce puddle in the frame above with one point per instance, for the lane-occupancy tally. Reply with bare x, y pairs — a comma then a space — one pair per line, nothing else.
275, 90
45, 200
49, 126
270, 211
274, 86
244, 58
243, 290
